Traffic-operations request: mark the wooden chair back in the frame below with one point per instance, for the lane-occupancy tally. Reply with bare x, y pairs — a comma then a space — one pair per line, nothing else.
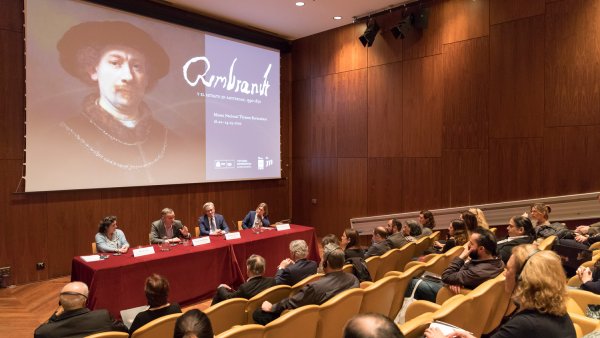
373, 263
243, 331
387, 263
227, 314
273, 294
160, 327
109, 334
379, 296
337, 311
309, 279
299, 323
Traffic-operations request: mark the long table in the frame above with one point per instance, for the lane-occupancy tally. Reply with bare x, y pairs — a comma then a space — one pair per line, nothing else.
194, 272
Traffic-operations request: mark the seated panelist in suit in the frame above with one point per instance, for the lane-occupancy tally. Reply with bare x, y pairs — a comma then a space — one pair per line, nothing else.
167, 226
211, 223
258, 217
292, 270
256, 283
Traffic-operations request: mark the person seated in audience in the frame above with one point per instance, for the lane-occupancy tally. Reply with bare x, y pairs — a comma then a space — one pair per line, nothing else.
371, 325
256, 282
457, 235
412, 230
590, 278
481, 220
168, 227
397, 239
476, 264
470, 221
257, 218
211, 223
427, 222
157, 294
74, 319
329, 239
380, 245
537, 283
350, 244
520, 231
109, 238
582, 232
292, 270
333, 282
193, 324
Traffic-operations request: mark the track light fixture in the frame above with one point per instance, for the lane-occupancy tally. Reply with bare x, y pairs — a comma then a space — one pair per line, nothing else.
370, 33
403, 27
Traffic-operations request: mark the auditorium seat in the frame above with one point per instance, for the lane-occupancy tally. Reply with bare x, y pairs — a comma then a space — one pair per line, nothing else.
453, 311
309, 279
160, 327
243, 331
422, 244
405, 278
387, 263
373, 263
109, 334
547, 243
407, 252
273, 294
347, 268
227, 314
299, 323
94, 249
334, 313
379, 296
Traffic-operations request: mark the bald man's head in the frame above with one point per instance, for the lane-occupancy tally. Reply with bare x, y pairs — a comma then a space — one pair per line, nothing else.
74, 296
371, 325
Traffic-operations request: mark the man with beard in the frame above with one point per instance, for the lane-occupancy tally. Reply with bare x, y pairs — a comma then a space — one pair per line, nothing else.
476, 264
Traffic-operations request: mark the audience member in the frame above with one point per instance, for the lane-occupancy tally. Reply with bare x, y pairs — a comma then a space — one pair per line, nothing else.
350, 244
396, 240
109, 238
74, 319
476, 264
371, 325
193, 324
470, 221
329, 239
412, 230
157, 294
590, 278
257, 218
255, 267
211, 223
168, 227
520, 231
481, 220
292, 270
537, 283
582, 232
427, 222
333, 282
457, 235
380, 245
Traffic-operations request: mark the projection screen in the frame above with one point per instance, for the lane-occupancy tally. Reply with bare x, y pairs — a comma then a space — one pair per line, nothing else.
116, 99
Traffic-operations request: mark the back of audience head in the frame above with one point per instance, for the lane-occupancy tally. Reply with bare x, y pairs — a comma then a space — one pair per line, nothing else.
73, 296
381, 232
193, 324
333, 257
299, 249
371, 325
157, 290
487, 240
414, 228
522, 227
537, 280
458, 227
426, 219
481, 220
255, 265
330, 238
542, 209
351, 238
470, 220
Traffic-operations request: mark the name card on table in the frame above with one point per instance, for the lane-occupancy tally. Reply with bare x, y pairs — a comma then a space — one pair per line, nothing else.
281, 227
200, 241
91, 258
233, 235
143, 251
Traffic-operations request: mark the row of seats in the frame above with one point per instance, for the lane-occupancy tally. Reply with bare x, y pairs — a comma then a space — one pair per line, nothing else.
158, 328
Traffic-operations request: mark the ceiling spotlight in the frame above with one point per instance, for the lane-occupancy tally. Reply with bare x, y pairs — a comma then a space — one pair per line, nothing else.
337, 17
370, 33
299, 3
403, 27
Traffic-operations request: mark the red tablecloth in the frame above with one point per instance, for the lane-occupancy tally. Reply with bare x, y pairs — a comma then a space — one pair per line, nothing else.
117, 283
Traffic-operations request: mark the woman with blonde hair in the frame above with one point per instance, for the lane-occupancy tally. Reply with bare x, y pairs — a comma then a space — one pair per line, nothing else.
537, 282
481, 221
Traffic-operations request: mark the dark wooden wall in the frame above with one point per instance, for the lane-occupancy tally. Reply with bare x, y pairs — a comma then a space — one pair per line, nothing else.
496, 100
53, 227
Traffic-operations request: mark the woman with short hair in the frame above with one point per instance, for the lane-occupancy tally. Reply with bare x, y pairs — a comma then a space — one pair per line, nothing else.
157, 293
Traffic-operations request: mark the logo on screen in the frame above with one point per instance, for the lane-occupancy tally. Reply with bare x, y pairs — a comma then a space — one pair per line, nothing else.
264, 163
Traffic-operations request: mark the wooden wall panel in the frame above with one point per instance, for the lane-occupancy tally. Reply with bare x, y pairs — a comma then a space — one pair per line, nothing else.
385, 189
301, 118
517, 78
301, 192
465, 177
131, 206
351, 111
421, 184
465, 19
323, 118
301, 60
572, 63
385, 48
338, 51
352, 190
12, 92
466, 79
515, 167
508, 10
11, 16
426, 42
324, 188
571, 160
10, 173
422, 102
385, 110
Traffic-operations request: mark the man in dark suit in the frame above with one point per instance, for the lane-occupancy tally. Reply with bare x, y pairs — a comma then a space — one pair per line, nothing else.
73, 319
380, 245
292, 270
167, 226
396, 240
212, 223
260, 217
255, 267
334, 282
